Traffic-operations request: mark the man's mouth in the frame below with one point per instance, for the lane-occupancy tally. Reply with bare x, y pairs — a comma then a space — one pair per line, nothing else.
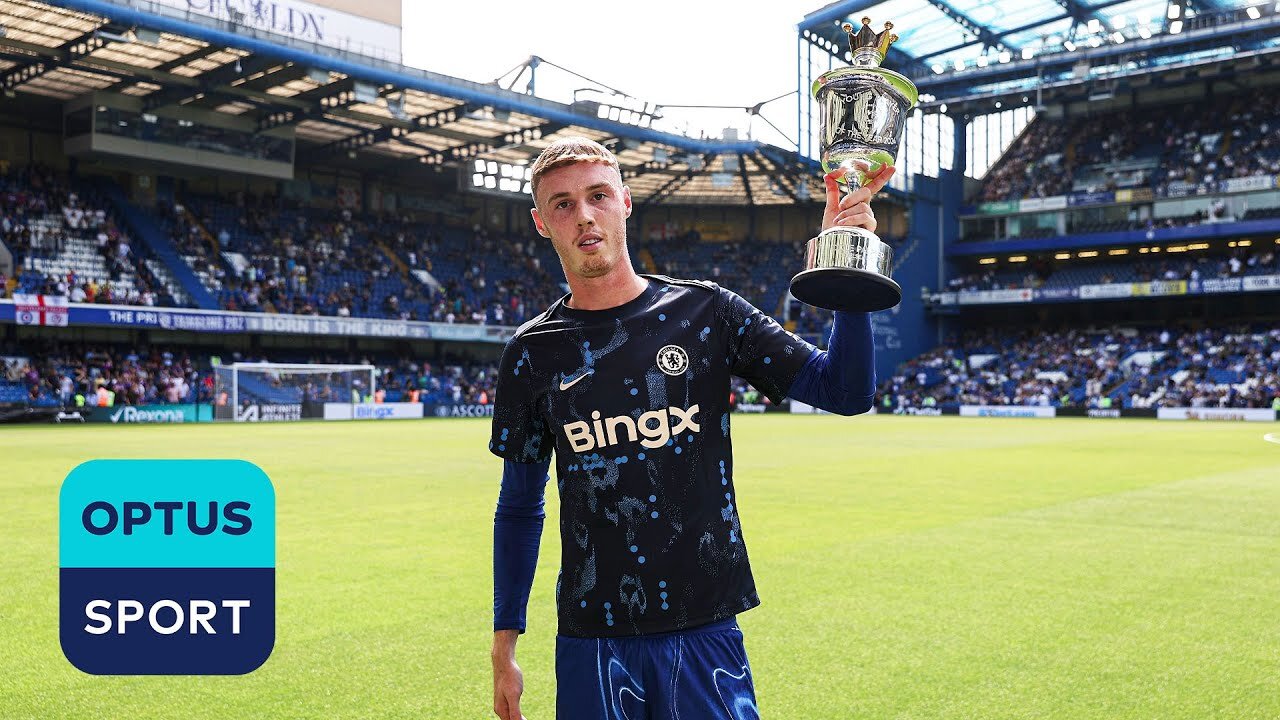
590, 241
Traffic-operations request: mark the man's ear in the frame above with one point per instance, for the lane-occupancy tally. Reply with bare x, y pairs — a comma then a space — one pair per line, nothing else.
538, 224
626, 199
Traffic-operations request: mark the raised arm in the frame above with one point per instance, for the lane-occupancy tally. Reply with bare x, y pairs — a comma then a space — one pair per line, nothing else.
842, 378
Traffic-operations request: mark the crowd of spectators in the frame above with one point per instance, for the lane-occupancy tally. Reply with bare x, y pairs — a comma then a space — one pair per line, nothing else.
1033, 167
1202, 368
79, 290
282, 254
340, 263
1023, 369
484, 276
1041, 271
1237, 263
40, 214
1175, 150
267, 254
450, 381
1114, 367
744, 268
72, 375
1255, 139
336, 262
1220, 141
76, 375
403, 380
1235, 367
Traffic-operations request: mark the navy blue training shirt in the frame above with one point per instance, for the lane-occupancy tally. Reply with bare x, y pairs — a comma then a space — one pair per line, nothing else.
635, 401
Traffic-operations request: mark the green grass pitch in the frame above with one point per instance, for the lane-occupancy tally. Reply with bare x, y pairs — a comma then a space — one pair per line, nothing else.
909, 568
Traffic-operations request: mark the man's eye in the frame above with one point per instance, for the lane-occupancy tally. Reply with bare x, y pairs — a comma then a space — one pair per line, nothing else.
598, 196
562, 204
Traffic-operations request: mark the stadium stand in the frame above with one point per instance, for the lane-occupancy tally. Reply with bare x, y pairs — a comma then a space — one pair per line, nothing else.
262, 255
455, 253
758, 270
1112, 367
66, 243
1191, 145
52, 374
475, 275
1033, 167
1046, 273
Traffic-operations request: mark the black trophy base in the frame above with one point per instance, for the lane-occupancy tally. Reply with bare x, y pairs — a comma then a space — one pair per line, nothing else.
846, 289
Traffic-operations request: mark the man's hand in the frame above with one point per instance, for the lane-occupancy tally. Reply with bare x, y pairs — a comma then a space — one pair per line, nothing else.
854, 210
508, 680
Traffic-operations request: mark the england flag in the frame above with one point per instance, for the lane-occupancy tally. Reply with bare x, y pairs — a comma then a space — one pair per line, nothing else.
41, 310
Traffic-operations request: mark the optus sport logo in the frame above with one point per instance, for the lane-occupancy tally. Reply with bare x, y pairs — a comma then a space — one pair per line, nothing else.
167, 567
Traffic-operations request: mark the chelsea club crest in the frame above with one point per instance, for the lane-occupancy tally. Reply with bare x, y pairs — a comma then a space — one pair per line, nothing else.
673, 360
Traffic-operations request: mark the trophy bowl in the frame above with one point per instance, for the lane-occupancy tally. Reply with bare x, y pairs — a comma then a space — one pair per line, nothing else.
863, 115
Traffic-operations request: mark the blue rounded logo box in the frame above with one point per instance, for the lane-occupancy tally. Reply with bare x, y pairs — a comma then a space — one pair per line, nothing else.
167, 567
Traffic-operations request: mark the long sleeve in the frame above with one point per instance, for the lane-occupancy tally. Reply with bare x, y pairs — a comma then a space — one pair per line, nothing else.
841, 379
517, 531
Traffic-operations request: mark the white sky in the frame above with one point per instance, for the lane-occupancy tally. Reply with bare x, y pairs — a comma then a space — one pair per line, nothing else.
694, 52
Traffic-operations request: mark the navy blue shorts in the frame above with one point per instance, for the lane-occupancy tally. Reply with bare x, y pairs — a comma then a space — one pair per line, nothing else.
698, 674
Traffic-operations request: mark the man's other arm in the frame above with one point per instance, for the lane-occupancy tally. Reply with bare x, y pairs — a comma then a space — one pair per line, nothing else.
517, 531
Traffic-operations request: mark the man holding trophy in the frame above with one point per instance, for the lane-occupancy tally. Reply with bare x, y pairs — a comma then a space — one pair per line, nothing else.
627, 378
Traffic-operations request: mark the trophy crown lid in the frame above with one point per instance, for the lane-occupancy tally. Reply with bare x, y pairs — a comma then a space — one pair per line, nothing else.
867, 39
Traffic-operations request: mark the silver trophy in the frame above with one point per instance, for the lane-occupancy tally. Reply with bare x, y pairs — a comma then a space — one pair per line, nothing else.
864, 111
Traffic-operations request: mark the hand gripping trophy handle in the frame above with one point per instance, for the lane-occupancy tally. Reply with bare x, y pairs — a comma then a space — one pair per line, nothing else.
864, 112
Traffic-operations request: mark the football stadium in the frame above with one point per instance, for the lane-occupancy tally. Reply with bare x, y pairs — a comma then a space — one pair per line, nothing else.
250, 231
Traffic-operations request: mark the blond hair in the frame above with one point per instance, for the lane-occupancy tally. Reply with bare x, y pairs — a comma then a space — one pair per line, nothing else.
567, 151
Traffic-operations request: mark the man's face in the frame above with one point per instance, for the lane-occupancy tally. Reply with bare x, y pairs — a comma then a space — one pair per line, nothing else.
583, 208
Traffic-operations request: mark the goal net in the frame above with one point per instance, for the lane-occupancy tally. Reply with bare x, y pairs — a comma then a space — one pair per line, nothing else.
275, 392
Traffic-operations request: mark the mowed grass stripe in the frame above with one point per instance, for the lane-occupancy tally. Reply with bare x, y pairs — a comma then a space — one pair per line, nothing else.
910, 567
1025, 616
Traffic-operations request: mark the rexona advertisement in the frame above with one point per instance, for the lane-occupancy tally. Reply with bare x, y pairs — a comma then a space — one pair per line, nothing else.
167, 567
148, 414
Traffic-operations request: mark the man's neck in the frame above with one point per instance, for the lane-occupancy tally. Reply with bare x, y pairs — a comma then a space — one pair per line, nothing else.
619, 287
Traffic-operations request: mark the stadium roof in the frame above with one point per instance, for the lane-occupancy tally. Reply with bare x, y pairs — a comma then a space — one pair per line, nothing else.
955, 49
358, 111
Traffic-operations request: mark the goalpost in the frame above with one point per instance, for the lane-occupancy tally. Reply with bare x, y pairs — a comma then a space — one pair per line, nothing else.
275, 392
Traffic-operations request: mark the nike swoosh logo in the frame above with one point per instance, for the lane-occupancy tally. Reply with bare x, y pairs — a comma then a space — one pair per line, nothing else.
566, 385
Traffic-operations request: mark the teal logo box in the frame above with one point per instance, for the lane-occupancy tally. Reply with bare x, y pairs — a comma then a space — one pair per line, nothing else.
167, 567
